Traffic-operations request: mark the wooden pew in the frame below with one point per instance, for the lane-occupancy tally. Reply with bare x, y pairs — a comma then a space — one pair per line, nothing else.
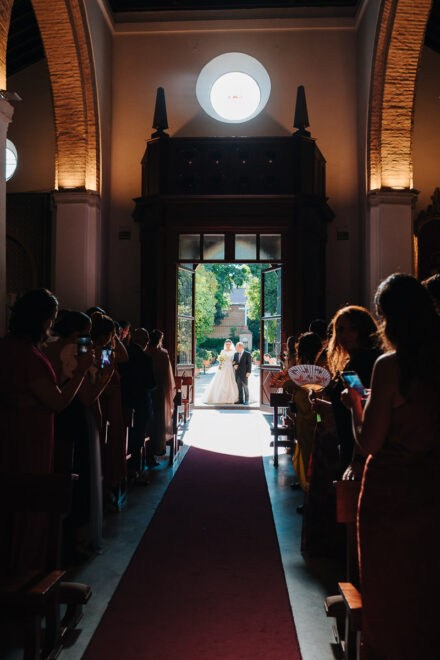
35, 595
277, 401
348, 604
175, 443
186, 382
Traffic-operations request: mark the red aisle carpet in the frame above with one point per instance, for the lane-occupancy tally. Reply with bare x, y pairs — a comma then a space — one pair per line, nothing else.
206, 581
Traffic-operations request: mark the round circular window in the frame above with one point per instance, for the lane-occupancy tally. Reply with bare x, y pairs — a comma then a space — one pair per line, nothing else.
11, 159
233, 87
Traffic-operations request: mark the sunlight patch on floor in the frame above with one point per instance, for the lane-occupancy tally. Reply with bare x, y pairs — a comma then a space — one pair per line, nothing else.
237, 432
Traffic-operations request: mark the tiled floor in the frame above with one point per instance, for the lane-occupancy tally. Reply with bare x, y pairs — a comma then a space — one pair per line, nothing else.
244, 433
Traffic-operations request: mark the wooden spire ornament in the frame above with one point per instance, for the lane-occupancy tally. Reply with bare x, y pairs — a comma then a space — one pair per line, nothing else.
301, 120
160, 121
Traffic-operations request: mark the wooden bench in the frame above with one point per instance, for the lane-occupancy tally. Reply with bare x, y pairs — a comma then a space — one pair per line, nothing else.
347, 605
34, 595
277, 401
186, 382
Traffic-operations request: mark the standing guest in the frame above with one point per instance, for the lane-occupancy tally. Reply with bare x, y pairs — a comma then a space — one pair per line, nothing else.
320, 327
288, 358
70, 427
308, 347
102, 334
162, 396
137, 382
399, 506
29, 397
124, 333
433, 286
352, 347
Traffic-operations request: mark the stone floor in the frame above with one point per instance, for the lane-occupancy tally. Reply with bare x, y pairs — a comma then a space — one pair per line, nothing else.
244, 433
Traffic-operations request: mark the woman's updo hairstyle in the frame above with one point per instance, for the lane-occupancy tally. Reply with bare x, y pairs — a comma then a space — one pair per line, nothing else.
101, 325
411, 326
69, 321
308, 346
155, 337
31, 312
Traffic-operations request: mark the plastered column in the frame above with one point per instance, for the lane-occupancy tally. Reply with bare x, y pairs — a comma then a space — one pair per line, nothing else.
6, 112
77, 243
389, 236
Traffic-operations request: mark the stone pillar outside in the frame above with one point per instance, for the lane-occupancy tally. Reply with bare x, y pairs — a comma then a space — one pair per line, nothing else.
77, 248
389, 236
6, 112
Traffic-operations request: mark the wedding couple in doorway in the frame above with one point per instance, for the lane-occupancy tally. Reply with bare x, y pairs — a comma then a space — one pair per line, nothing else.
231, 382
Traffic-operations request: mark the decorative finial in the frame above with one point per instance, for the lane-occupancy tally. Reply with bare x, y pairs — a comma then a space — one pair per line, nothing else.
301, 121
160, 121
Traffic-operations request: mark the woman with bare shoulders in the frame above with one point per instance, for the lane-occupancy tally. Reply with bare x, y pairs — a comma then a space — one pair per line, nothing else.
399, 506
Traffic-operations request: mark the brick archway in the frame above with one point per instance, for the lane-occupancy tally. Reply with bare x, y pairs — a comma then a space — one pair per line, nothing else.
65, 34
399, 40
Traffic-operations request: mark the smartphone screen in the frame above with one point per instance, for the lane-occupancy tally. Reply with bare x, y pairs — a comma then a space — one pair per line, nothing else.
105, 357
352, 379
82, 344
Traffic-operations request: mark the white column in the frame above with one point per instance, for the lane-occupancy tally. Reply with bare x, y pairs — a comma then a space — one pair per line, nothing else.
389, 236
77, 246
6, 112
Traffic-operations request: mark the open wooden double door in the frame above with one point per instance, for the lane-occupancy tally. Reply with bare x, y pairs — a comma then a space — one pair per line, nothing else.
271, 323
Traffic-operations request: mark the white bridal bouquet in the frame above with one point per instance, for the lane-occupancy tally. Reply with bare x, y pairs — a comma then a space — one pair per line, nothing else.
221, 359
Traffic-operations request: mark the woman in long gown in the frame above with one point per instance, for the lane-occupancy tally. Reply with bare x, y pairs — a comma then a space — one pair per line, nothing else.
223, 388
399, 505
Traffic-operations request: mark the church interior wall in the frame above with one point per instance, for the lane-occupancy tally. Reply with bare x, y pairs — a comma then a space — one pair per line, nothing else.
102, 48
322, 59
32, 130
426, 134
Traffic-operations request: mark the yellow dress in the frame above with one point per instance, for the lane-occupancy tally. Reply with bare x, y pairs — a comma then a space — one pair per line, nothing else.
305, 434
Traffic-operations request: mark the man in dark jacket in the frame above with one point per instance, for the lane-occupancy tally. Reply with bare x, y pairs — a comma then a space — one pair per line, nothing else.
243, 366
137, 381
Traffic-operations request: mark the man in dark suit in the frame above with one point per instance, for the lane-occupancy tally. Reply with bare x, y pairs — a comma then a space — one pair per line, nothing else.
137, 381
243, 366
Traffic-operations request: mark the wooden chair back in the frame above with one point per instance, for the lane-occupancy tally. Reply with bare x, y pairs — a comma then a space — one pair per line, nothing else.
347, 498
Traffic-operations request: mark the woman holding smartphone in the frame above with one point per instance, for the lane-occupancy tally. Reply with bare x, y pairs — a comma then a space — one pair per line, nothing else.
399, 506
29, 398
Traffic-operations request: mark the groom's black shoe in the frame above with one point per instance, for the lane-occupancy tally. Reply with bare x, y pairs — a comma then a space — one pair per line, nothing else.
239, 403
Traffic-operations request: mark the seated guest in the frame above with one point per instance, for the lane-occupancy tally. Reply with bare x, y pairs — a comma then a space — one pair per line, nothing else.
29, 397
137, 381
399, 506
163, 395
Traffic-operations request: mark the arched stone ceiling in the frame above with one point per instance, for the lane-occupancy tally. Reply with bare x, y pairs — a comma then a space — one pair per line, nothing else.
399, 40
66, 39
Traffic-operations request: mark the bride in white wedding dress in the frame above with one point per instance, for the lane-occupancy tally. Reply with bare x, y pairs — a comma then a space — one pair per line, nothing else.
223, 388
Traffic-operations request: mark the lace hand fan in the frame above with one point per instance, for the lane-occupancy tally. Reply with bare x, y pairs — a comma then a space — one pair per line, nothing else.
310, 376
